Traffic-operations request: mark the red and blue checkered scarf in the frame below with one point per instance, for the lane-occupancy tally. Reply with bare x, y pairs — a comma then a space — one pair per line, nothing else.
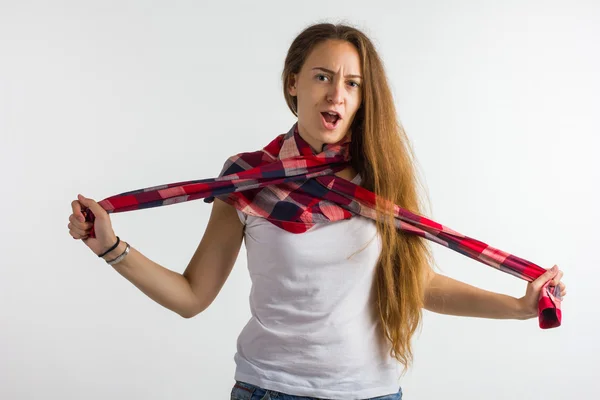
294, 188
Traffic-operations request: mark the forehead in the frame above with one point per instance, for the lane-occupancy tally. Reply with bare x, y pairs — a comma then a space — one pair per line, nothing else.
333, 55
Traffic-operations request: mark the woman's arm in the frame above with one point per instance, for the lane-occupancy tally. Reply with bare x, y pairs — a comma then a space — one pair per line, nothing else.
192, 292
445, 295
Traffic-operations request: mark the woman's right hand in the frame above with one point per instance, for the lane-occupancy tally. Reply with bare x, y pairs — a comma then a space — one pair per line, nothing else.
104, 238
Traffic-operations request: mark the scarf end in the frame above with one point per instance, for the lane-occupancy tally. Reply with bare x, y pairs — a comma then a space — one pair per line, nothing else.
550, 315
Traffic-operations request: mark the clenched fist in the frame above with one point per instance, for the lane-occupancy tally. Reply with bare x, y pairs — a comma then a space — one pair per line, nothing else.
104, 238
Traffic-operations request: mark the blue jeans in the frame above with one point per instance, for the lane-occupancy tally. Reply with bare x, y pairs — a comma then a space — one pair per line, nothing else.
246, 391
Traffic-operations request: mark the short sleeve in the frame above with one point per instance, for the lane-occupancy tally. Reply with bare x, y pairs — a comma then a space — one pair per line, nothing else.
243, 217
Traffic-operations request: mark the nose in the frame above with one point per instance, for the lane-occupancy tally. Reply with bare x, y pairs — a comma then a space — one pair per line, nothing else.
335, 94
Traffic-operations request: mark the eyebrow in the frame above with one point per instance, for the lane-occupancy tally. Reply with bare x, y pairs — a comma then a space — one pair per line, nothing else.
333, 73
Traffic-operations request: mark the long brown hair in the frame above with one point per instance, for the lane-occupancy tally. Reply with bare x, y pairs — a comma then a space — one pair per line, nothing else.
382, 155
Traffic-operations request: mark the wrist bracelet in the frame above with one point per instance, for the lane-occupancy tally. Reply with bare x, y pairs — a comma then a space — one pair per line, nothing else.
111, 249
121, 257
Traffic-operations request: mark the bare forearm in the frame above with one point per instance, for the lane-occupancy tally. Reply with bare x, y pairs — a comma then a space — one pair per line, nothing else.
168, 288
445, 295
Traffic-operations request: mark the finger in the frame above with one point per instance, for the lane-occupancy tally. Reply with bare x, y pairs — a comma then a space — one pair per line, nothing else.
75, 230
75, 235
545, 277
76, 206
556, 278
79, 231
75, 222
79, 224
98, 211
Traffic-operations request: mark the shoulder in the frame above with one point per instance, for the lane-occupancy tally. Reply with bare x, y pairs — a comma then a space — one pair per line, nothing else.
252, 159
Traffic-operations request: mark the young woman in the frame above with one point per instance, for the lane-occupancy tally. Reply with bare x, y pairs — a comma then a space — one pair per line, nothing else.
333, 308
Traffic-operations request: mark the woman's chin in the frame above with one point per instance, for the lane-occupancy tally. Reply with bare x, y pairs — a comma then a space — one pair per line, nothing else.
333, 137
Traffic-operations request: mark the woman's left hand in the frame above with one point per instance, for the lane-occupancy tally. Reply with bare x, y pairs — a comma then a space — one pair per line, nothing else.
528, 304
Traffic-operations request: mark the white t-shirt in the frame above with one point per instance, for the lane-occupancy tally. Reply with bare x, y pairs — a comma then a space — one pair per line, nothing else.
314, 331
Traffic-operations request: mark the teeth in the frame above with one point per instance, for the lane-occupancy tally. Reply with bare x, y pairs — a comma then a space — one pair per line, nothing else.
332, 113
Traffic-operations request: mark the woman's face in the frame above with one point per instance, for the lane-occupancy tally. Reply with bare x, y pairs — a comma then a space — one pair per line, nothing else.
330, 80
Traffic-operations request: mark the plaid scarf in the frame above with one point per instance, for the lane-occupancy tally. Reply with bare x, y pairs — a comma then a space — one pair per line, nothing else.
294, 188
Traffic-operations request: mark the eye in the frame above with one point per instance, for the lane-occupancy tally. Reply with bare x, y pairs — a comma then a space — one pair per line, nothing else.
321, 75
356, 83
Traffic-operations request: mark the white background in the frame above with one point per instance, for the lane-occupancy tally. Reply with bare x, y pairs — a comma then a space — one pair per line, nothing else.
499, 100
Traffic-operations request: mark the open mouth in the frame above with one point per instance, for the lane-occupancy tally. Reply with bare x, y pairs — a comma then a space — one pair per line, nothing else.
330, 120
